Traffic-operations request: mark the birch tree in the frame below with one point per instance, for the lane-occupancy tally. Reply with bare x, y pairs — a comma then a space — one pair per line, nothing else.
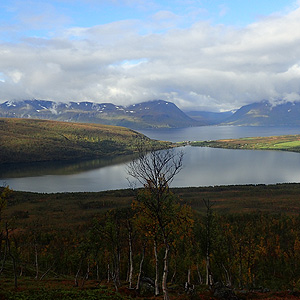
155, 170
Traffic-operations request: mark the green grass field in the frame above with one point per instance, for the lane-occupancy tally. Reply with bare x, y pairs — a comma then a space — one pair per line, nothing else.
284, 143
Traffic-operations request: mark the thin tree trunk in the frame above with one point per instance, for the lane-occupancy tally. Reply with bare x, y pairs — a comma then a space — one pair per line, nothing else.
165, 272
108, 273
130, 255
189, 276
241, 284
12, 257
199, 275
128, 269
207, 282
77, 274
115, 281
5, 254
156, 284
86, 276
97, 270
42, 277
15, 270
209, 279
87, 271
227, 276
36, 261
174, 274
117, 267
141, 267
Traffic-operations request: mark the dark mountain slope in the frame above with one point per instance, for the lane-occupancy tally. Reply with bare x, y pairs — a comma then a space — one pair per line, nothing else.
265, 114
162, 113
152, 114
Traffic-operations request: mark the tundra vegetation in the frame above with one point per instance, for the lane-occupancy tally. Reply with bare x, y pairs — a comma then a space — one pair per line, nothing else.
283, 142
108, 245
25, 140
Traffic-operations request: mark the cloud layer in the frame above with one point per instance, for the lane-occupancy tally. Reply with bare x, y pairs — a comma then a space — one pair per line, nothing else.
200, 66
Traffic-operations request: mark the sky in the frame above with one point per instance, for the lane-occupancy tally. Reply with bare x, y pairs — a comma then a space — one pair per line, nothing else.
211, 55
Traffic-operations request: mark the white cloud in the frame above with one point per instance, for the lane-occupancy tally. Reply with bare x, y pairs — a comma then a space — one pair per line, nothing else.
204, 65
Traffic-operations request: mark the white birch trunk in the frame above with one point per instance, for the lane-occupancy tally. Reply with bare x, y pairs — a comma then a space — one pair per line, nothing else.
140, 269
189, 276
130, 257
36, 262
199, 275
156, 285
165, 272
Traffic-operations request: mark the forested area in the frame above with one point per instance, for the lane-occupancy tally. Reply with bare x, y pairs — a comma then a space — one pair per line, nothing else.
122, 248
150, 242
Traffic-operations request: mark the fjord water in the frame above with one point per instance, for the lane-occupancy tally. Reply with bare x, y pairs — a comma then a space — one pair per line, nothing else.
205, 133
201, 167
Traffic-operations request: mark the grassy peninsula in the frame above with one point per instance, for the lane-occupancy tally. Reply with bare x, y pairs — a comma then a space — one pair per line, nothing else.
283, 142
26, 140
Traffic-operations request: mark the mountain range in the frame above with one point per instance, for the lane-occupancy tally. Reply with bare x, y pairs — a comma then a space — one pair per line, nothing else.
152, 114
264, 113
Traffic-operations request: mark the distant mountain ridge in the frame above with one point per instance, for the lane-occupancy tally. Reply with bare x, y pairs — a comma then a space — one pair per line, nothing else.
151, 114
265, 114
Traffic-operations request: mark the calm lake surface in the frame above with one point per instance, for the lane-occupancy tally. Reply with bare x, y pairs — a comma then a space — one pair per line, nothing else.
201, 167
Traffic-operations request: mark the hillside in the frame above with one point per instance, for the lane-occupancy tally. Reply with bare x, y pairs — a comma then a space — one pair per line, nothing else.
265, 114
151, 114
26, 140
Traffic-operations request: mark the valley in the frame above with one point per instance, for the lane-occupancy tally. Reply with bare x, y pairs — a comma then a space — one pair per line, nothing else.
68, 244
122, 125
